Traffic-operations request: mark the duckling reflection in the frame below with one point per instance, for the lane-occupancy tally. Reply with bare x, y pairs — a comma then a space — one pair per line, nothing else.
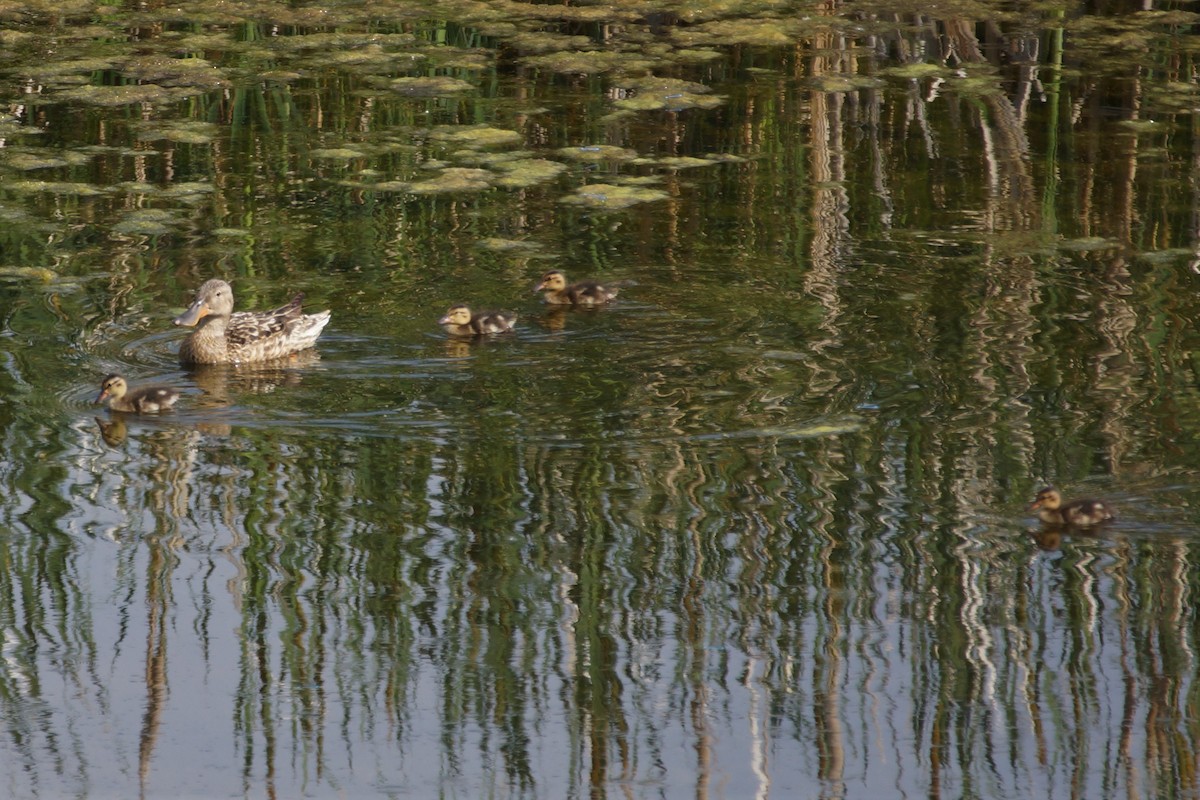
1081, 513
113, 431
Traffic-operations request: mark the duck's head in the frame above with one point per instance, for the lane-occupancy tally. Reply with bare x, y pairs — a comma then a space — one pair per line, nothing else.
552, 281
213, 298
114, 386
1047, 498
457, 315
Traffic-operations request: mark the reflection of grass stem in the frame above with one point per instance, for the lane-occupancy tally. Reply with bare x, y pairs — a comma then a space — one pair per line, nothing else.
1053, 86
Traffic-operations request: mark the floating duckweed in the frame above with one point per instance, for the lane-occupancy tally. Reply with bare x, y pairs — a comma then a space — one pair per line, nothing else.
640, 180
31, 160
443, 57
1165, 256
499, 245
589, 62
655, 93
40, 274
675, 101
118, 95
145, 222
918, 71
608, 195
337, 153
280, 76
843, 83
56, 187
1175, 95
8, 38
384, 186
759, 32
698, 56
527, 172
85, 66
1140, 125
1087, 244
491, 159
175, 71
137, 187
477, 136
681, 162
454, 180
182, 131
372, 55
430, 86
11, 126
188, 189
978, 86
597, 152
543, 42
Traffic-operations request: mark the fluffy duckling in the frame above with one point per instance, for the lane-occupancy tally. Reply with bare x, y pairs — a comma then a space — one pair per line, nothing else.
581, 293
223, 336
146, 400
1077, 513
459, 321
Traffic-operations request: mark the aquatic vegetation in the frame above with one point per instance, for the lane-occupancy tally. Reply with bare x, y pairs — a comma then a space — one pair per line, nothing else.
431, 86
41, 158
477, 136
501, 245
337, 153
594, 153
612, 196
592, 62
129, 94
655, 93
454, 180
145, 222
527, 172
57, 187
180, 131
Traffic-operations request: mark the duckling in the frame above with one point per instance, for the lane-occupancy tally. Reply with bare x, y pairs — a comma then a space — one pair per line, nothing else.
581, 293
1077, 513
146, 400
459, 321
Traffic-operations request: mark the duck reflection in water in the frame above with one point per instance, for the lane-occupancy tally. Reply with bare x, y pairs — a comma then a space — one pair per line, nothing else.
222, 383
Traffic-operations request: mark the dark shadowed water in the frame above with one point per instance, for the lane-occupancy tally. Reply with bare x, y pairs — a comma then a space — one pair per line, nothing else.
758, 529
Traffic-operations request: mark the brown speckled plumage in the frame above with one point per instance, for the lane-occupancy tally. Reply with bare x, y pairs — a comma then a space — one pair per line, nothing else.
144, 400
225, 337
459, 321
557, 291
1081, 513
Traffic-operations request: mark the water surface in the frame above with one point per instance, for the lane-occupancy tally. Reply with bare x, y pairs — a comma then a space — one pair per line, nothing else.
757, 529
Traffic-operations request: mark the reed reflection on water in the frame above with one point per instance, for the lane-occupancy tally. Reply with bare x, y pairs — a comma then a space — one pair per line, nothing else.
758, 529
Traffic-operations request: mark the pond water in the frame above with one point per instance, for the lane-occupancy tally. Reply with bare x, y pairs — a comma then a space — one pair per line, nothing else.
759, 528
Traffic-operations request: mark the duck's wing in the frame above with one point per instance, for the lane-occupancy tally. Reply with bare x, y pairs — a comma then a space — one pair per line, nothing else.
249, 327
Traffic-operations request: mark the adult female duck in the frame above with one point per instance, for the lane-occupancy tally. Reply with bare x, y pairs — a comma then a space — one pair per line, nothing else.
225, 337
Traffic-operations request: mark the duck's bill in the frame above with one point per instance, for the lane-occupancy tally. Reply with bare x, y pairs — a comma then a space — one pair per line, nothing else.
196, 312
